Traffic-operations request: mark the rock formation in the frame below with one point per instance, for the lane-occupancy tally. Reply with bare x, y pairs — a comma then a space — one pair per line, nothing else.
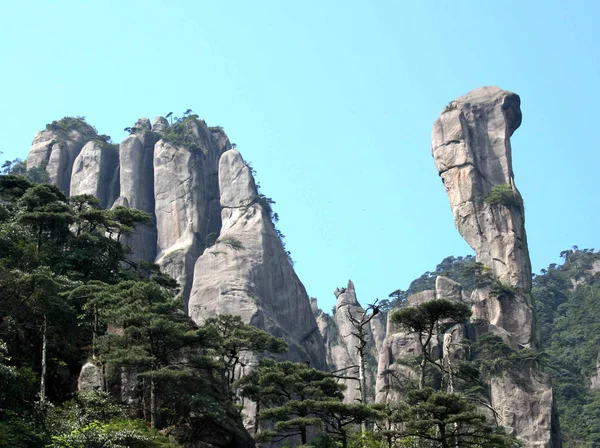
247, 271
90, 377
96, 171
472, 151
136, 185
399, 345
186, 197
209, 229
341, 344
57, 147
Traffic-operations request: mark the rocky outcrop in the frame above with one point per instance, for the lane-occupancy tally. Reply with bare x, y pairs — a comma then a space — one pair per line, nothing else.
185, 176
247, 271
90, 378
398, 346
96, 172
136, 162
472, 151
186, 196
341, 342
57, 147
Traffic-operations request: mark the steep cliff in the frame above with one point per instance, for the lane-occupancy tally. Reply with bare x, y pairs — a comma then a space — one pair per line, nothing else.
247, 271
400, 345
210, 230
57, 147
472, 151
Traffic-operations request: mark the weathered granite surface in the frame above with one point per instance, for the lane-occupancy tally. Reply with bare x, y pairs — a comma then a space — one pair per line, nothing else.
472, 151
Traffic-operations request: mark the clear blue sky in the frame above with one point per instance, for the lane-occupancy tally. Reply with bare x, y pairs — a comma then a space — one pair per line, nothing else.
332, 102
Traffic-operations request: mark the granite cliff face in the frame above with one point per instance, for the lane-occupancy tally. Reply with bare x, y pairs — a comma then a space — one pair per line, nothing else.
247, 271
472, 151
209, 230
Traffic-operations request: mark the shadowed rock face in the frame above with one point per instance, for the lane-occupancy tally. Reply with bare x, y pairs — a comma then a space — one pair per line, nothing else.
472, 151
96, 172
186, 198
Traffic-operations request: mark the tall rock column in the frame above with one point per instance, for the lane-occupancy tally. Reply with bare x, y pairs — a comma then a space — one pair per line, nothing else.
247, 271
57, 147
136, 159
472, 152
96, 172
186, 201
341, 342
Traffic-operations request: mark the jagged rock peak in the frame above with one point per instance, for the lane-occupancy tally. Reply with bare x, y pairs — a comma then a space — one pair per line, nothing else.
314, 306
247, 272
160, 124
346, 296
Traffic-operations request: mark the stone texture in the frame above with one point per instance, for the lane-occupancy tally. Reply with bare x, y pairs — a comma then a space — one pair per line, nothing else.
90, 377
186, 194
342, 350
255, 281
398, 345
472, 151
96, 172
57, 151
159, 125
525, 407
136, 160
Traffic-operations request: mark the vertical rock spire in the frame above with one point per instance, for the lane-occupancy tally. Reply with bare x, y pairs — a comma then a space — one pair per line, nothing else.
472, 151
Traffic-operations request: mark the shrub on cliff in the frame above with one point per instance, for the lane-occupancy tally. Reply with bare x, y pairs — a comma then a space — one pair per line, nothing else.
504, 194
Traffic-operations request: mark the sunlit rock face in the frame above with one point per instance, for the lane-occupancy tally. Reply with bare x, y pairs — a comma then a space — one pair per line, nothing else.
201, 196
56, 151
247, 271
472, 151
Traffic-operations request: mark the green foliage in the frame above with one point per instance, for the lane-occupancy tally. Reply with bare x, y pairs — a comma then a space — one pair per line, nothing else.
231, 242
506, 195
183, 133
234, 342
294, 397
502, 291
68, 124
495, 358
448, 420
567, 305
63, 272
460, 269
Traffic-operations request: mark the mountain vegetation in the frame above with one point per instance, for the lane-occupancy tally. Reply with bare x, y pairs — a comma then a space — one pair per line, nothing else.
568, 308
69, 295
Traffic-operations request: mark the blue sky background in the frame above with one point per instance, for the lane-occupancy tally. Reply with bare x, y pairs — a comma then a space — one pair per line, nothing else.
332, 102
